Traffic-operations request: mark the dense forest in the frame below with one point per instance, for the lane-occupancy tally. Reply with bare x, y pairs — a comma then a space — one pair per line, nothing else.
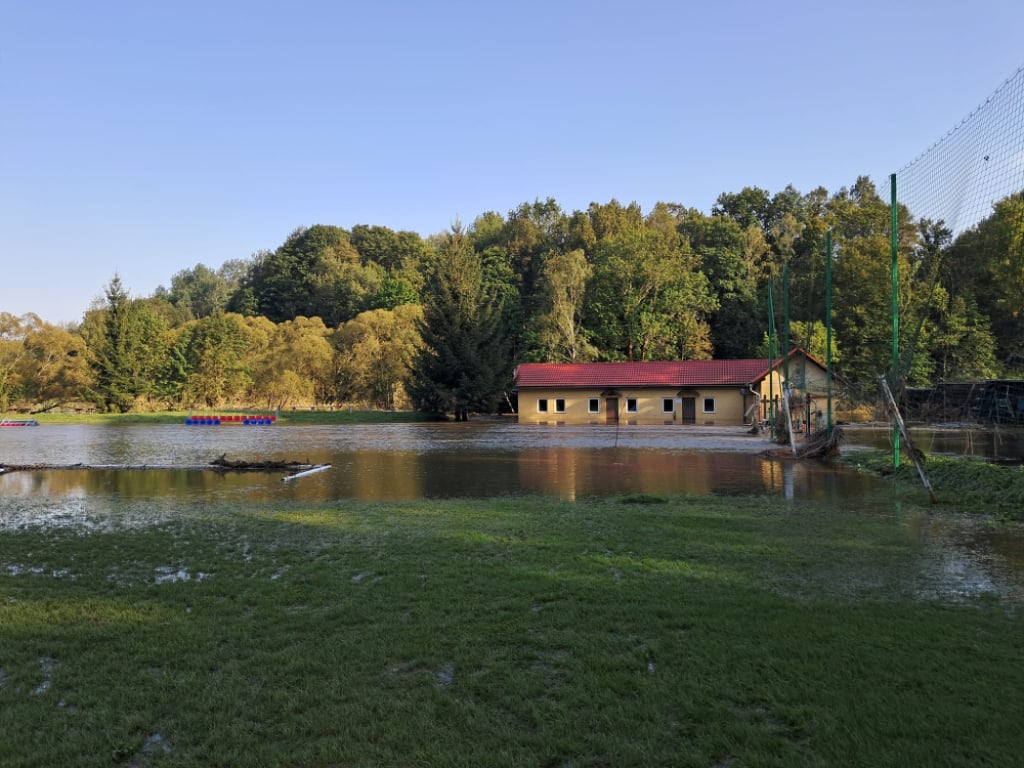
385, 319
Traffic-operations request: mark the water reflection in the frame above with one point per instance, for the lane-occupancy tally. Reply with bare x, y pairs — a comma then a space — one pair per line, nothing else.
444, 470
410, 461
1005, 444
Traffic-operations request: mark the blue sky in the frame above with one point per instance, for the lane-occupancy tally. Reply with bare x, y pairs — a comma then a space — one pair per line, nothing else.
143, 138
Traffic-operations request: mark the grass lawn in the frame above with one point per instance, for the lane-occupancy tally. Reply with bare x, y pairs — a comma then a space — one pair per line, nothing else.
705, 632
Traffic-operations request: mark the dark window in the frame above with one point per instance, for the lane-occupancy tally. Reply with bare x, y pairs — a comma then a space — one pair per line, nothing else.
668, 405
593, 405
630, 405
542, 405
709, 405
559, 405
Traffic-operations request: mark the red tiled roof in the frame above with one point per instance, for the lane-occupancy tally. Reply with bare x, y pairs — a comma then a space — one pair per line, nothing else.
674, 373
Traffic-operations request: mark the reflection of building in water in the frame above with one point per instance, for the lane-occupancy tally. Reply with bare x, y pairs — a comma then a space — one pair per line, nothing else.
571, 473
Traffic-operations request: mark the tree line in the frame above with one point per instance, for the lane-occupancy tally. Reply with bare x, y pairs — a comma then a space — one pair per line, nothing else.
390, 319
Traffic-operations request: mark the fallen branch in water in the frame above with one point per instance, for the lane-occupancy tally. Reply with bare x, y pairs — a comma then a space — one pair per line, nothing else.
317, 468
223, 462
220, 464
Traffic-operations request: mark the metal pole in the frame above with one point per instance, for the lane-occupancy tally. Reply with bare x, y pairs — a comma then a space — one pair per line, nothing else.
785, 323
895, 274
828, 332
771, 361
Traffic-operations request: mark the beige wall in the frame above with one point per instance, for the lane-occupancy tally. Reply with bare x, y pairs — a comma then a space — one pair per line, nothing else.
728, 410
727, 406
805, 376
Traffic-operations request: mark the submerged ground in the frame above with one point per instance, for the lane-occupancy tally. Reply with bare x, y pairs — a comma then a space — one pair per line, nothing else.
619, 631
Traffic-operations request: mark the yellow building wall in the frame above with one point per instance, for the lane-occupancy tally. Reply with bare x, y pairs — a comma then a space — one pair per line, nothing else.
805, 377
727, 408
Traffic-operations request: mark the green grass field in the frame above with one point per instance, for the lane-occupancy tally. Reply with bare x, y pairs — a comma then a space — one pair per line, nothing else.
705, 632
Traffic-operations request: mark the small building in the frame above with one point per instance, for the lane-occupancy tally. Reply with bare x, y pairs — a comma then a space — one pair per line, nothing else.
681, 392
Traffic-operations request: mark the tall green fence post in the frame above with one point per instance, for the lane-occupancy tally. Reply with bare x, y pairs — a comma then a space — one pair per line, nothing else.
784, 352
895, 274
771, 361
828, 332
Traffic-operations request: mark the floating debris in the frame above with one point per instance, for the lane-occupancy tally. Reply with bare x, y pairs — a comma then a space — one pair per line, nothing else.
818, 445
220, 464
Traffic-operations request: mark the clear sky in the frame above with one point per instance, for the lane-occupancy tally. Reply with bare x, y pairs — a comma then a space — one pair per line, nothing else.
143, 138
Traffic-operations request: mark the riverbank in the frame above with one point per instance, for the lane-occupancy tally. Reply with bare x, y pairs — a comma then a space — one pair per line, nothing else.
631, 631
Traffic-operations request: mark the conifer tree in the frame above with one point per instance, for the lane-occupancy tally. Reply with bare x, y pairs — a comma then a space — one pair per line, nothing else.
465, 364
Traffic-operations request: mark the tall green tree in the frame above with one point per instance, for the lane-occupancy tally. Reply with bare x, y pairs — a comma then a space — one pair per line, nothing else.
958, 340
128, 359
218, 356
464, 365
375, 353
729, 261
988, 262
201, 291
560, 327
13, 330
54, 367
862, 285
304, 274
648, 299
297, 366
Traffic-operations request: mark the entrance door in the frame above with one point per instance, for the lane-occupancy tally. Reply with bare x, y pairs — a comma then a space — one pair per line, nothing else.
611, 410
689, 410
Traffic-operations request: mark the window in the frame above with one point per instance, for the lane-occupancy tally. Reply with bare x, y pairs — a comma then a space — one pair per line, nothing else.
709, 405
559, 405
668, 405
542, 405
630, 405
593, 405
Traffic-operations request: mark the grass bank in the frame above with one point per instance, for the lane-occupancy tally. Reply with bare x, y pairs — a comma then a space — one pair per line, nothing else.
517, 632
971, 485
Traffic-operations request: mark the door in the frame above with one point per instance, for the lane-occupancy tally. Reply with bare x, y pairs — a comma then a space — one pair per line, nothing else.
611, 410
689, 410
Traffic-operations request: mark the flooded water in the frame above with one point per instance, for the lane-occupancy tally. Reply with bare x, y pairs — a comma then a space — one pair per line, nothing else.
1000, 444
411, 461
962, 556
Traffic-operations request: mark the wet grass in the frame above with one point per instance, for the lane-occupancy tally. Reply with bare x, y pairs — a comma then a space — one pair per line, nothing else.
961, 483
516, 632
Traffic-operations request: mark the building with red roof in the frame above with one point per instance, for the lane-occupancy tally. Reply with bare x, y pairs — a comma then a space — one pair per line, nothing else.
718, 392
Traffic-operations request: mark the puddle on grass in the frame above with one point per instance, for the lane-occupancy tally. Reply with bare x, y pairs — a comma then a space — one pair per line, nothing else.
168, 574
963, 561
46, 665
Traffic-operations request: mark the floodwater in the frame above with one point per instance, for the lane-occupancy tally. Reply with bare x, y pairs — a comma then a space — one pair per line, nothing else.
998, 444
411, 461
961, 556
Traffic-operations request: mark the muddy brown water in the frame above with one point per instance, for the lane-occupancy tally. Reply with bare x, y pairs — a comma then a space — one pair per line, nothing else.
961, 556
